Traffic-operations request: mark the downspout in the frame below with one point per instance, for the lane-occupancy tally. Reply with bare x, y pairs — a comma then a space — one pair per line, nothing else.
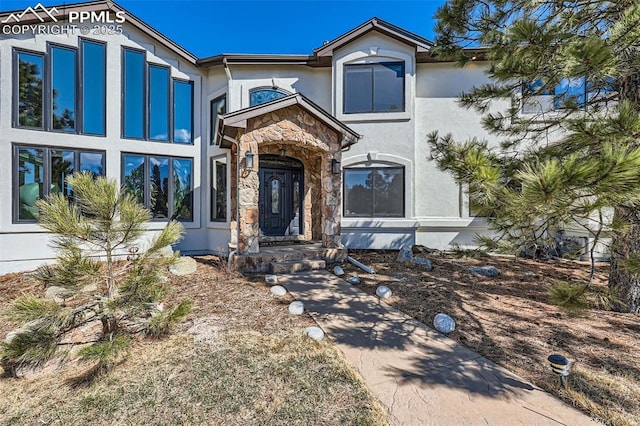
236, 250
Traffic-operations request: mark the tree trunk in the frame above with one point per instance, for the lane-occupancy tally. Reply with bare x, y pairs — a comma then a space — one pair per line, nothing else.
626, 284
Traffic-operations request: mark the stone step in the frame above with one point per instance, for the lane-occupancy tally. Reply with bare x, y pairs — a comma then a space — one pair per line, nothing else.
296, 266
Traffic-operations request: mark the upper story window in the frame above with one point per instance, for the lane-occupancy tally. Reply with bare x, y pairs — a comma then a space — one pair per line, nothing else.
39, 171
218, 107
374, 192
261, 95
48, 94
375, 87
155, 106
573, 92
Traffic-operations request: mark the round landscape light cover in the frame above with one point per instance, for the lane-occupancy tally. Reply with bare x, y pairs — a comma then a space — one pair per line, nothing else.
315, 333
444, 323
383, 292
296, 308
278, 290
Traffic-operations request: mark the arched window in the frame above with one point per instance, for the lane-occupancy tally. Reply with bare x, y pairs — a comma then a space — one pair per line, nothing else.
261, 95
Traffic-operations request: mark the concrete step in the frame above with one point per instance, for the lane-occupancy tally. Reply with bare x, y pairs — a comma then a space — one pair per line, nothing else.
296, 266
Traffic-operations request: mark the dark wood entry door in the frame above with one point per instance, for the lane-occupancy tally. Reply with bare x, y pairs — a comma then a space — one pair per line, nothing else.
280, 207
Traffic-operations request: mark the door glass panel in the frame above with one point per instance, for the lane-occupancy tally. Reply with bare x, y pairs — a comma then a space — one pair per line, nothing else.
62, 165
159, 187
30, 181
275, 196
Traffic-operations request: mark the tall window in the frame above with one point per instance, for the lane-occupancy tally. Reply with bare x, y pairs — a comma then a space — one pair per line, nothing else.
218, 107
54, 102
152, 100
376, 87
262, 95
218, 170
374, 192
40, 171
162, 184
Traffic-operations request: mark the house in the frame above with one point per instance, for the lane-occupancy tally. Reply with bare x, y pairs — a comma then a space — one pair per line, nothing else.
328, 146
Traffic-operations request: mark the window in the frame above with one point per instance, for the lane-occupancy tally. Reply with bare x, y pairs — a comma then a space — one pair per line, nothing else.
162, 184
218, 107
57, 102
570, 92
218, 170
374, 191
94, 79
152, 100
376, 87
262, 95
40, 171
30, 89
182, 111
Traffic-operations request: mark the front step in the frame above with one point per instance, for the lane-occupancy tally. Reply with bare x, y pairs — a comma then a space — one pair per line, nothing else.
296, 266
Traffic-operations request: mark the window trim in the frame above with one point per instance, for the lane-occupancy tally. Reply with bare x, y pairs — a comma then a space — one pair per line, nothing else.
49, 77
46, 158
146, 197
172, 109
271, 88
123, 84
373, 215
147, 117
373, 89
214, 126
213, 190
16, 89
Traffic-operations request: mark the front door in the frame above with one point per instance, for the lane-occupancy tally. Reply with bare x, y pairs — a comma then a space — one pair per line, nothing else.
280, 207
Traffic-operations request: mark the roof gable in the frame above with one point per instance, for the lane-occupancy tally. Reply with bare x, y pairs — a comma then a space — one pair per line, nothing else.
421, 44
238, 119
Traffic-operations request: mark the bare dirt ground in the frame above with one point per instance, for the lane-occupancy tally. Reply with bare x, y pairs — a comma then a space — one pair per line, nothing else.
510, 320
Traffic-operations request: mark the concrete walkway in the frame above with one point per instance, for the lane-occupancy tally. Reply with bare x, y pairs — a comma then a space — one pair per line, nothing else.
421, 376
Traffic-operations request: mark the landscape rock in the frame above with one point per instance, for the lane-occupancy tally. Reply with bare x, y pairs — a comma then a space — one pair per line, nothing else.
424, 262
10, 336
405, 254
338, 271
296, 308
166, 251
354, 280
530, 274
486, 271
57, 294
315, 333
184, 266
444, 323
278, 290
270, 279
383, 292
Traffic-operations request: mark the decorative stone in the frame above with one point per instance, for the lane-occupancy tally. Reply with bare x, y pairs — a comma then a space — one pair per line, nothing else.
424, 262
338, 271
315, 333
405, 254
166, 251
383, 292
486, 271
57, 294
354, 280
270, 279
278, 290
296, 308
444, 323
530, 274
10, 336
184, 266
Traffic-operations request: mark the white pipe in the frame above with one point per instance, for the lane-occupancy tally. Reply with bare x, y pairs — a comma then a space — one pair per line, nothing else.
360, 265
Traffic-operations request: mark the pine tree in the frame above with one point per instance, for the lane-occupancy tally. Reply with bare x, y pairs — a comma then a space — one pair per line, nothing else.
571, 158
106, 280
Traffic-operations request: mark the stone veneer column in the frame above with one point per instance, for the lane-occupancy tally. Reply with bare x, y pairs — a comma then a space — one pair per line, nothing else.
248, 197
331, 214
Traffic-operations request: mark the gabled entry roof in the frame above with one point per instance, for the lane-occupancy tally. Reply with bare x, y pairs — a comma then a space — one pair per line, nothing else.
230, 123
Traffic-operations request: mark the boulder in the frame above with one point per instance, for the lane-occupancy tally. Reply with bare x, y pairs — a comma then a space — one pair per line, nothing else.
424, 262
57, 294
184, 266
485, 271
405, 254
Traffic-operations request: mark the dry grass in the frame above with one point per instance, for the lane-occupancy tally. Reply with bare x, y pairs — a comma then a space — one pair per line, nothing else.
239, 359
510, 320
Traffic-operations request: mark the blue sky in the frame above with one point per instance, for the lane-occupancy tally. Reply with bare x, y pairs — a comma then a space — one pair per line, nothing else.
208, 28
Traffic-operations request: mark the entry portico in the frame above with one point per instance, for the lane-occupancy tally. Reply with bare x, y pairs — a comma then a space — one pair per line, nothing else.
285, 172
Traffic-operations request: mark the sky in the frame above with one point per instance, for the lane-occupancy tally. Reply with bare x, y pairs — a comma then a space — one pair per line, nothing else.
211, 27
